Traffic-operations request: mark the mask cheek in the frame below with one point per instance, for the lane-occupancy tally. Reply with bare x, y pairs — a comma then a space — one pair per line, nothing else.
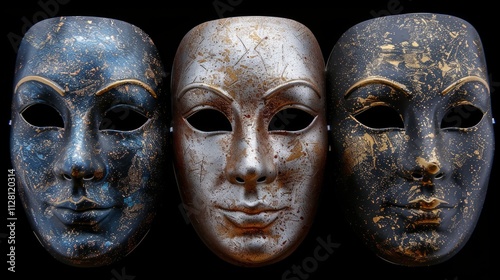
365, 153
470, 162
200, 161
370, 163
36, 155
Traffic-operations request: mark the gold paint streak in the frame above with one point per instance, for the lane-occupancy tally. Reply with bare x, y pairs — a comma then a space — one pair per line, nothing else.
414, 188
384, 143
296, 152
317, 148
371, 104
427, 183
428, 203
435, 221
459, 160
255, 37
354, 155
126, 81
231, 74
383, 146
394, 62
479, 153
425, 58
369, 100
412, 60
388, 47
369, 139
390, 143
434, 155
444, 68
227, 56
42, 80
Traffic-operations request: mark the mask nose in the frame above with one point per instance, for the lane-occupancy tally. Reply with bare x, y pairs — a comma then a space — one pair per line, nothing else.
426, 159
250, 162
426, 171
79, 160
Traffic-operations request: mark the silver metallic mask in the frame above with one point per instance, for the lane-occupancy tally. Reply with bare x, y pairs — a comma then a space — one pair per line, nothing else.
249, 134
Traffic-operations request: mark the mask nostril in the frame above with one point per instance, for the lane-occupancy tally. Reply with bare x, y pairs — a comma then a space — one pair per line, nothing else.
417, 176
261, 179
239, 180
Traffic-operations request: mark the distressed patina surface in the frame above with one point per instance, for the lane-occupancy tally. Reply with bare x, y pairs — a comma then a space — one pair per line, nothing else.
412, 134
249, 135
89, 129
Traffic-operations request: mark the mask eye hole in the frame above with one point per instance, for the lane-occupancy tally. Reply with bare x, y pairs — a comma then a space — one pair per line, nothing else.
122, 118
461, 116
290, 119
380, 117
209, 120
42, 115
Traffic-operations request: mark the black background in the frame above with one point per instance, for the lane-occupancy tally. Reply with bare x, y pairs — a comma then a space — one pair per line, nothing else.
172, 250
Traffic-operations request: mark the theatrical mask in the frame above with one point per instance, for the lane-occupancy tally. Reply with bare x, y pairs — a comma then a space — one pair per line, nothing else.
249, 135
87, 137
412, 134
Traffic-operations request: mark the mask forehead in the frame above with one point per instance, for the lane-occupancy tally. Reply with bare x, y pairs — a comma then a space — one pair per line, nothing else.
248, 55
424, 52
88, 53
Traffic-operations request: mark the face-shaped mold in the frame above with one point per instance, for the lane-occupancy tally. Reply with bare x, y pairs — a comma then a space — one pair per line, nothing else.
249, 134
88, 134
412, 133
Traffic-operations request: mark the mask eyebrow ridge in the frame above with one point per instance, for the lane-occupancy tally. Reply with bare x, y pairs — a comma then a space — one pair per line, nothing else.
464, 80
216, 90
271, 92
378, 80
42, 80
126, 81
